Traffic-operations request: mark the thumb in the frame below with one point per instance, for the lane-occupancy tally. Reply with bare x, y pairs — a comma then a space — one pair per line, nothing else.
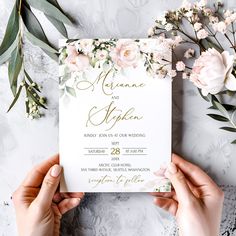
49, 186
179, 182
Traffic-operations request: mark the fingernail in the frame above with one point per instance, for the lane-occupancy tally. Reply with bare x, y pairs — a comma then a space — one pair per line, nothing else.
56, 170
76, 201
171, 169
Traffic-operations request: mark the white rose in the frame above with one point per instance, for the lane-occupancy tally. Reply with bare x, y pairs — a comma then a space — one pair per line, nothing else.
212, 72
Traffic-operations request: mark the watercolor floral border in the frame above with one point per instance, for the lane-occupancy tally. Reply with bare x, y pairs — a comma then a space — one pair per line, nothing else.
112, 56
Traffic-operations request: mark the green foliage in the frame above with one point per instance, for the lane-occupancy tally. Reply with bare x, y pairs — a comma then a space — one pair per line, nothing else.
22, 21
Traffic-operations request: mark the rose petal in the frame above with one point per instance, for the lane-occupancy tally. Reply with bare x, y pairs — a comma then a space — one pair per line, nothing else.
230, 83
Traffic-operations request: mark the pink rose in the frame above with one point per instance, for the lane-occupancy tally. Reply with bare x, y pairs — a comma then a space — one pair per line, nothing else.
212, 72
76, 61
126, 53
72, 54
82, 62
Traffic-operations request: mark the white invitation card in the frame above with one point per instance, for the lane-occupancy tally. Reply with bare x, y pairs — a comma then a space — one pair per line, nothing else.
115, 115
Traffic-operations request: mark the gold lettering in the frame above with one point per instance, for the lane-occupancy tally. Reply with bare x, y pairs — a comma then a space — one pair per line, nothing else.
110, 115
107, 86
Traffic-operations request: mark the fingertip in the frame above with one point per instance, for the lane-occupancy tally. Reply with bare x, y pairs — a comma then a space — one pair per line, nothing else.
155, 200
75, 201
56, 170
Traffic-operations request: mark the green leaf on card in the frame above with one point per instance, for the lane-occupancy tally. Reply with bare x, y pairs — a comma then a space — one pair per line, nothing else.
49, 9
11, 30
71, 91
218, 117
14, 68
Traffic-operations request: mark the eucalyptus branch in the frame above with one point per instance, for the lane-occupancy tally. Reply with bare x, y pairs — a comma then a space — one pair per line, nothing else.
23, 22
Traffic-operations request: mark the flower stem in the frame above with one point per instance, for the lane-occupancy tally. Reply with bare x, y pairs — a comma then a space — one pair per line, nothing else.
233, 46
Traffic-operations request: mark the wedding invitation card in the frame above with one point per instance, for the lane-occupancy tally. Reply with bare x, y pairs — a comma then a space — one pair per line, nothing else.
115, 115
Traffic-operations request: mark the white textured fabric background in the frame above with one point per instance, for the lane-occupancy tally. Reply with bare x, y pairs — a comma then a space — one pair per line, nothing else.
23, 142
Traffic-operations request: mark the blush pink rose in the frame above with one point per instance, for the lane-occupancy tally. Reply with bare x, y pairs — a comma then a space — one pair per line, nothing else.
212, 72
76, 61
126, 53
82, 62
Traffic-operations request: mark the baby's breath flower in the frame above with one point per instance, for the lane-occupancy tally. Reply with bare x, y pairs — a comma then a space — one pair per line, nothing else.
22, 83
202, 34
180, 66
189, 53
197, 26
168, 27
150, 31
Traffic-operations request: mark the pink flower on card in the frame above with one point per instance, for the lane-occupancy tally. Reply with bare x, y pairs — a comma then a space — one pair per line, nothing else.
76, 61
126, 53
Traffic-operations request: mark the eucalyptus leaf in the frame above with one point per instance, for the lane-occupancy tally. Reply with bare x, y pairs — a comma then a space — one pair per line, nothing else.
218, 117
228, 107
56, 4
11, 30
14, 67
6, 55
234, 142
71, 91
49, 9
30, 80
34, 27
58, 25
39, 43
15, 98
32, 24
230, 129
220, 108
204, 97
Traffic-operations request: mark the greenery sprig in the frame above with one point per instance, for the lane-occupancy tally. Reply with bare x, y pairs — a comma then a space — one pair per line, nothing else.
22, 24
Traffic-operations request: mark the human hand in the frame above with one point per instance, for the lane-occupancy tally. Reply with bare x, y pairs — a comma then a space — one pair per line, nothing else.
196, 200
38, 206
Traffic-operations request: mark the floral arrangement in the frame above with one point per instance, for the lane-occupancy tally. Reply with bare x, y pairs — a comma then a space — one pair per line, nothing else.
23, 24
210, 60
112, 56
